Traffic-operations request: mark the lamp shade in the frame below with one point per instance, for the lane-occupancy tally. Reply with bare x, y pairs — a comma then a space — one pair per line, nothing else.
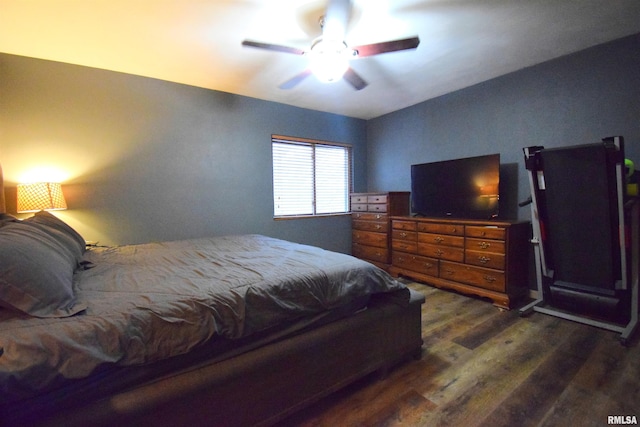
40, 196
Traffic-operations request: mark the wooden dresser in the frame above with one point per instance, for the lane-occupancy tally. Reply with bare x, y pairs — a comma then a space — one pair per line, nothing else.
484, 258
371, 226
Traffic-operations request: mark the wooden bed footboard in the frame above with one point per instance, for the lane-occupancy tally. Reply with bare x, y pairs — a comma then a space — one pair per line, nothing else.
266, 385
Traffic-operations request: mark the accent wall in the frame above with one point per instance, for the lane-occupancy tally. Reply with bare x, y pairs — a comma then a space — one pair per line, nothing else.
575, 99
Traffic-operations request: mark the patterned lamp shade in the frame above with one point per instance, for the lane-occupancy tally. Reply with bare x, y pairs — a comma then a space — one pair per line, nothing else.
40, 196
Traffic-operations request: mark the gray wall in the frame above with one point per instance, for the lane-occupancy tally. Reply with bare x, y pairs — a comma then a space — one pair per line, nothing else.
572, 100
151, 160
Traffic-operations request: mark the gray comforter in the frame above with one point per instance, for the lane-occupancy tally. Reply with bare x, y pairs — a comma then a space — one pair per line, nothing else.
153, 301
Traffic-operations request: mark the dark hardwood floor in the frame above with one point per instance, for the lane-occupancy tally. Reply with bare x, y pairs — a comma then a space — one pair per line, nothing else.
485, 367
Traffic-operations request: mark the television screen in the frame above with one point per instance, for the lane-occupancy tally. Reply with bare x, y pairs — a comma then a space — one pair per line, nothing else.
459, 188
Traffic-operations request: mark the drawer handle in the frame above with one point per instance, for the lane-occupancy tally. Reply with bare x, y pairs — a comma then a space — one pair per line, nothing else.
378, 216
378, 227
439, 252
449, 272
438, 239
484, 259
490, 279
428, 265
453, 230
403, 234
484, 245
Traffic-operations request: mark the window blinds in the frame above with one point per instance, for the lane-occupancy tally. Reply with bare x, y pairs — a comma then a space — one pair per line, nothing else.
310, 178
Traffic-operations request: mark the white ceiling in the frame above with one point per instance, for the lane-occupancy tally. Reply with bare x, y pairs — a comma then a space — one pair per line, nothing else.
198, 42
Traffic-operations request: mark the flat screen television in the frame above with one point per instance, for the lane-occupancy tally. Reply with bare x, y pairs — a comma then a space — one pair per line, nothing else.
465, 188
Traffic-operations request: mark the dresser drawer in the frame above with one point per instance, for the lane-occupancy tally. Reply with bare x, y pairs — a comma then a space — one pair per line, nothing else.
453, 229
404, 235
404, 225
486, 245
382, 207
377, 198
477, 276
485, 259
359, 198
404, 245
370, 238
359, 207
441, 252
488, 232
369, 216
377, 226
370, 253
415, 263
441, 239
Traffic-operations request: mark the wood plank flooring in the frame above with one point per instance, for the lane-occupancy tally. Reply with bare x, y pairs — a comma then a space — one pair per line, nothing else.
485, 367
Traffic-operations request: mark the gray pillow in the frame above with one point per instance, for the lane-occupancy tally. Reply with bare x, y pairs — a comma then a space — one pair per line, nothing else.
5, 218
36, 271
66, 236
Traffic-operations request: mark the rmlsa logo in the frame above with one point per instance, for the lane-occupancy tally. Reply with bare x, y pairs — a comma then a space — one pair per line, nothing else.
622, 419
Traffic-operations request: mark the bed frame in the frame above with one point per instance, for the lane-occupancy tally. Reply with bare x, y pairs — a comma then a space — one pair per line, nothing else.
266, 384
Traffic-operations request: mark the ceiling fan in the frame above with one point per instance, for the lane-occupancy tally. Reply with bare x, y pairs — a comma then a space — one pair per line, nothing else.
329, 54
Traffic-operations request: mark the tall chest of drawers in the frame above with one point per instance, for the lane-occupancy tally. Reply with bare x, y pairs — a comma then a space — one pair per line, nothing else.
484, 258
371, 224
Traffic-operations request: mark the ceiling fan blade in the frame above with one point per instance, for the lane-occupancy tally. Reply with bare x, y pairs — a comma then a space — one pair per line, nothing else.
275, 47
294, 81
384, 47
354, 79
336, 19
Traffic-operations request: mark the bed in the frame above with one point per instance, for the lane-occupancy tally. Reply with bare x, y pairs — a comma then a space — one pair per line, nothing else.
228, 330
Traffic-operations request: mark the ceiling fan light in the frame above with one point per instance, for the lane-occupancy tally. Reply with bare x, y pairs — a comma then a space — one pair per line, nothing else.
329, 60
329, 68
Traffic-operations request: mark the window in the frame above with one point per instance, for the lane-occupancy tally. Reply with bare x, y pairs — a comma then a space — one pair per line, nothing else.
310, 177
